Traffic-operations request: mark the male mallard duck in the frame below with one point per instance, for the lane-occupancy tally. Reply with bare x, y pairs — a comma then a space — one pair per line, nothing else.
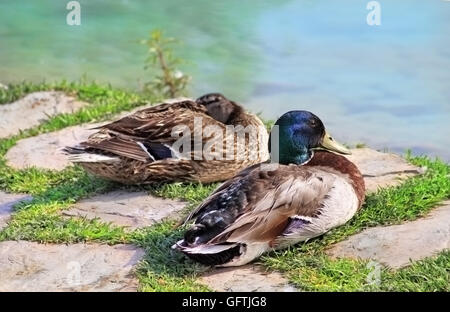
139, 148
273, 205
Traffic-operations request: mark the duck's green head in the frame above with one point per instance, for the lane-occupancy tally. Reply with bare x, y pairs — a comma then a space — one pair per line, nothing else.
299, 133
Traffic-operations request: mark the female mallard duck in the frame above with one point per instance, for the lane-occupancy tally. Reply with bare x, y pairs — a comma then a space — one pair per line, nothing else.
139, 148
273, 205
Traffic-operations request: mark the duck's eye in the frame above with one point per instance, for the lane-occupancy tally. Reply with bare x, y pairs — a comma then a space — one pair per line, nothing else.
312, 123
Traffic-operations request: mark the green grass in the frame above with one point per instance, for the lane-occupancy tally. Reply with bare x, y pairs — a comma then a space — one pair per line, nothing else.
14, 92
432, 274
40, 219
317, 272
164, 269
306, 265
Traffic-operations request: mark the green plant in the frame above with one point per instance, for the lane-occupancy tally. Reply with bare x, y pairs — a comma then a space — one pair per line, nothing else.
171, 81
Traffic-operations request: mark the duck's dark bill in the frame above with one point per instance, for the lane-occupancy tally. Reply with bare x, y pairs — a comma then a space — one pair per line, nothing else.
330, 144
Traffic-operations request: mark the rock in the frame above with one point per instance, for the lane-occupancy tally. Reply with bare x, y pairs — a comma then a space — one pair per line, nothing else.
33, 109
248, 278
381, 169
29, 266
396, 245
7, 201
130, 209
44, 151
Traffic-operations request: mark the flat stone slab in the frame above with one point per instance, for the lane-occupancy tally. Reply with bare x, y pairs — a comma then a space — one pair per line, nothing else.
33, 109
249, 278
44, 151
29, 266
130, 209
397, 245
7, 201
382, 169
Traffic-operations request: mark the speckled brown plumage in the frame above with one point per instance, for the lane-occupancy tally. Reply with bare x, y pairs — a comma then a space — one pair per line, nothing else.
137, 144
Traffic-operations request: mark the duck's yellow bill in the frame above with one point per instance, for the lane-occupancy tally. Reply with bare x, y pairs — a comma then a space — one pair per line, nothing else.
330, 144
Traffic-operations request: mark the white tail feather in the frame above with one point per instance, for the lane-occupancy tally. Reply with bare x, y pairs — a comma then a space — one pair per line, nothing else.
203, 249
86, 157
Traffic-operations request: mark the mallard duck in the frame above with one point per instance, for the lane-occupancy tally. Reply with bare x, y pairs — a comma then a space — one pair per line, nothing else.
140, 148
271, 205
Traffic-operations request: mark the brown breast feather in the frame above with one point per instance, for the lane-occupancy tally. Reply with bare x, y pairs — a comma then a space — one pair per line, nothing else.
344, 166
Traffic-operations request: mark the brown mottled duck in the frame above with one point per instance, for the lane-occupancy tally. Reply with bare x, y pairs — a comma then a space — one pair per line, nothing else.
149, 145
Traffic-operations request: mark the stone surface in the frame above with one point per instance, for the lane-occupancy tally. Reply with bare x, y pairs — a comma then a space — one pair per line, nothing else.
246, 278
396, 245
28, 266
382, 169
33, 109
7, 201
44, 151
130, 209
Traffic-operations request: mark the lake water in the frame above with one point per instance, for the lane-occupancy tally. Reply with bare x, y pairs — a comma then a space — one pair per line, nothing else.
387, 86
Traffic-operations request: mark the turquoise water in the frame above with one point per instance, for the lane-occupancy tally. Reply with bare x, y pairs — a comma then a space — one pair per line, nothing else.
387, 85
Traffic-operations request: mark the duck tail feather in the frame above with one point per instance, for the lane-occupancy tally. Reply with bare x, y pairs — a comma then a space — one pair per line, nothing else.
217, 254
73, 150
91, 158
